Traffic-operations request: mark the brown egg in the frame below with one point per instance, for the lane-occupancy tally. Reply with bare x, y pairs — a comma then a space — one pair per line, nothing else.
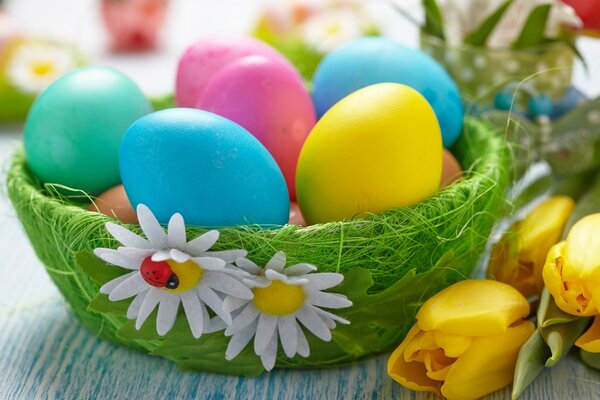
115, 204
296, 217
452, 171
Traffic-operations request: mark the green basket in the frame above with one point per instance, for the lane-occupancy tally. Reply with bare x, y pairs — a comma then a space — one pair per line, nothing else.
392, 262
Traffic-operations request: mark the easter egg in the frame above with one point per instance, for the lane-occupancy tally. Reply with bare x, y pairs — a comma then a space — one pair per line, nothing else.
270, 101
74, 128
203, 166
205, 58
115, 204
134, 24
451, 171
372, 60
296, 217
378, 148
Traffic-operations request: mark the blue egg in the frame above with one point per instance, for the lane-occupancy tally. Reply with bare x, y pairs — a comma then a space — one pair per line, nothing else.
373, 60
206, 167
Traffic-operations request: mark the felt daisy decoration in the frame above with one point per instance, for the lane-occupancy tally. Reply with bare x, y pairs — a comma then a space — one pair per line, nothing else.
33, 65
167, 270
284, 299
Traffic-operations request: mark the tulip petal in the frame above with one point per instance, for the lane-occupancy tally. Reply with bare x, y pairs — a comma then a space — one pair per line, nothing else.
590, 340
583, 250
412, 375
569, 295
453, 345
473, 308
488, 365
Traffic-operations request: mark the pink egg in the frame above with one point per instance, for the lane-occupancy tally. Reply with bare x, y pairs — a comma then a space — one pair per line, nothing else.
296, 217
8, 31
205, 58
134, 24
270, 101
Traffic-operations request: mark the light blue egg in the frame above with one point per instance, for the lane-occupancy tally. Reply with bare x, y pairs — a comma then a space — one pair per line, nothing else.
372, 60
206, 167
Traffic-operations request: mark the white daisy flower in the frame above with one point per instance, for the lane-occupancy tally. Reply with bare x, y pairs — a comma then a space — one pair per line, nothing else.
282, 298
35, 64
168, 270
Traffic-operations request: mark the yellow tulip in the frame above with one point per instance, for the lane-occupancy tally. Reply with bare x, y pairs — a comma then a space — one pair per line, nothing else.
572, 270
521, 264
465, 342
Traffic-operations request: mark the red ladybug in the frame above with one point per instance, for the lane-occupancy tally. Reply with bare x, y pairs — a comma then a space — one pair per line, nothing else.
159, 274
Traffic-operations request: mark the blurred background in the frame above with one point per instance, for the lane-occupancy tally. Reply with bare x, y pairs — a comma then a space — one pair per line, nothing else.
80, 22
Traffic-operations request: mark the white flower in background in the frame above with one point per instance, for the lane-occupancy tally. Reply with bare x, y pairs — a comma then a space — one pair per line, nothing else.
462, 17
33, 65
283, 299
328, 30
168, 270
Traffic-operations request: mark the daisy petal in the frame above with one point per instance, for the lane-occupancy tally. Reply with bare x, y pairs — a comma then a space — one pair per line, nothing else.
209, 263
114, 257
229, 256
303, 350
151, 228
329, 322
215, 324
288, 334
161, 255
111, 285
248, 266
277, 262
331, 316
266, 329
275, 276
202, 243
213, 301
176, 232
324, 280
239, 341
126, 237
179, 256
232, 303
227, 284
130, 287
311, 320
167, 313
328, 300
300, 269
133, 253
134, 307
241, 321
270, 354
148, 305
193, 312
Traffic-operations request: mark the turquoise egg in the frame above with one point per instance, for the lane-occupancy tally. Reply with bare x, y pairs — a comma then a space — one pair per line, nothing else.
373, 60
74, 128
203, 166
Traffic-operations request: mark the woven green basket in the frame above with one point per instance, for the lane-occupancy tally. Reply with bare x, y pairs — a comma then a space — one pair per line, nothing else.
391, 262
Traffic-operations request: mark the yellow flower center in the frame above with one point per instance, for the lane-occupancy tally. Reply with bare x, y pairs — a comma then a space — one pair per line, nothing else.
333, 29
279, 298
189, 274
42, 68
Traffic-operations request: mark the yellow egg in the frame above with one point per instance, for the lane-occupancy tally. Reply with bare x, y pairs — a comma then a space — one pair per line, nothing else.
378, 148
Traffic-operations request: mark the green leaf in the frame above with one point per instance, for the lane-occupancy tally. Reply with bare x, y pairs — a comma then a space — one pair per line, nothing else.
533, 32
101, 304
560, 338
480, 36
549, 314
530, 362
588, 204
590, 359
434, 24
98, 270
